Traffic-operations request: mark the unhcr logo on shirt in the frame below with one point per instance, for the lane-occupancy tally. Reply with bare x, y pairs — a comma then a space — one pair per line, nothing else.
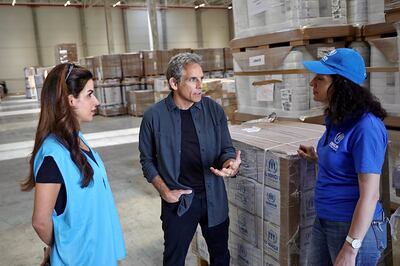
335, 143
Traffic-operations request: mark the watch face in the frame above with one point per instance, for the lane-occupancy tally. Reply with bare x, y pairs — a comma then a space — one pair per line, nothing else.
356, 243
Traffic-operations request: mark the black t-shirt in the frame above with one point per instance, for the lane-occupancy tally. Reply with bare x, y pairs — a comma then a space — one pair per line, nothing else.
192, 174
50, 173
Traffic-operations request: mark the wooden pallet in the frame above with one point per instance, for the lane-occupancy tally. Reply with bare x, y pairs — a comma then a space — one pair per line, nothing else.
377, 31
296, 37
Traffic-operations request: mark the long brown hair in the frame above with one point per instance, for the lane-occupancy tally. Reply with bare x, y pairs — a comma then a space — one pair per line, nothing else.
57, 117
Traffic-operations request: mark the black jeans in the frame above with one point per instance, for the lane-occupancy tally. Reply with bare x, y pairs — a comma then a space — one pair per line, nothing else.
179, 231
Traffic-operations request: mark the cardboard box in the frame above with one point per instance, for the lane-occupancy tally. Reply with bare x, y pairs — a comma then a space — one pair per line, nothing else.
66, 52
139, 101
394, 165
307, 210
132, 65
245, 225
246, 194
213, 58
284, 182
129, 84
108, 92
243, 253
110, 67
152, 63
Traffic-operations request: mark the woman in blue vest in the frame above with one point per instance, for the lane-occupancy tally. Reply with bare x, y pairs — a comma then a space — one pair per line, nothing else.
74, 211
350, 226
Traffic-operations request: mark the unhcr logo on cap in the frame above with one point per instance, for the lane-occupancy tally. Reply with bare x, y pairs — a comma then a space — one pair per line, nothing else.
328, 55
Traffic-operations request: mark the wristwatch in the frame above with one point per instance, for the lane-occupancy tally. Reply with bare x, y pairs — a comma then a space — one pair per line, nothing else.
354, 242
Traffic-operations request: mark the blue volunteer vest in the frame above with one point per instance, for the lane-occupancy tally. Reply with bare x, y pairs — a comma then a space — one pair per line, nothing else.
88, 232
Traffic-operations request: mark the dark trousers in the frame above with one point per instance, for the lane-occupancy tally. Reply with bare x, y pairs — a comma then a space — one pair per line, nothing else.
179, 231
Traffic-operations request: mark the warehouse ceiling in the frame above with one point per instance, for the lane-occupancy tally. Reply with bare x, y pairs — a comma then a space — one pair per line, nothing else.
123, 3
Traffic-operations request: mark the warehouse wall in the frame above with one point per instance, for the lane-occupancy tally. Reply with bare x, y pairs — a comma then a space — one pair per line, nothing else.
57, 25
17, 45
64, 25
137, 28
215, 25
181, 28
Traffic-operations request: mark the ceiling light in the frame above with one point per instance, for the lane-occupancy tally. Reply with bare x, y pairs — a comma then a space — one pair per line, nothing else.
196, 7
14, 2
67, 3
202, 5
117, 4
230, 7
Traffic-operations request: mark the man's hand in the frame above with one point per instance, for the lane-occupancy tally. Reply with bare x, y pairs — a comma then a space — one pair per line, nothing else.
172, 196
308, 152
46, 256
230, 167
347, 256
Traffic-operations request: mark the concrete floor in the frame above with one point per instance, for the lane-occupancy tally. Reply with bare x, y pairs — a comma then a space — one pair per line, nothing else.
137, 201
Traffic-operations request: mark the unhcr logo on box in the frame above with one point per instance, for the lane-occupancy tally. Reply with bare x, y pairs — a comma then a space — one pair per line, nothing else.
273, 170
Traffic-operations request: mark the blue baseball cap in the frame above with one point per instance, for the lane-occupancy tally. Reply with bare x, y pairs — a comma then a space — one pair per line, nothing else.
345, 62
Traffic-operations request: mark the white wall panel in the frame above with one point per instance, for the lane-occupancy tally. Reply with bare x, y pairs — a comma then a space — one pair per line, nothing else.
118, 30
215, 25
96, 35
57, 25
181, 28
137, 28
17, 46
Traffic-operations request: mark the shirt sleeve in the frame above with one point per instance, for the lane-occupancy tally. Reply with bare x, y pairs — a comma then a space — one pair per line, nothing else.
147, 148
369, 147
227, 149
49, 172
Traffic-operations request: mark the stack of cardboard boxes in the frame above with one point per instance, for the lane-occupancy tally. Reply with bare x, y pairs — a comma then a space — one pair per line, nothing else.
271, 200
108, 90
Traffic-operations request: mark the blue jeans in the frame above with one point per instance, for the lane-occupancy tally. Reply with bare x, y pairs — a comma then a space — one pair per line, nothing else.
328, 238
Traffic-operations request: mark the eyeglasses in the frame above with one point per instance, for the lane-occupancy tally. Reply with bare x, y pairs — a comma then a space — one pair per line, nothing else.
70, 67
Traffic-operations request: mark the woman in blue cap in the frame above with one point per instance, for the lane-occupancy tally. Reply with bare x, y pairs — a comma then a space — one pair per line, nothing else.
74, 211
350, 226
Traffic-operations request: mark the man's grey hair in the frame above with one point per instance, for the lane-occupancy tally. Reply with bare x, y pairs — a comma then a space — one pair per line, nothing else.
177, 64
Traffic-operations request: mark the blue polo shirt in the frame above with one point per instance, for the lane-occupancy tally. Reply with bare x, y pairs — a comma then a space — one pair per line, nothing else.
344, 151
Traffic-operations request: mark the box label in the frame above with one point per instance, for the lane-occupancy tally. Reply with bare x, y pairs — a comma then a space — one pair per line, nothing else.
258, 60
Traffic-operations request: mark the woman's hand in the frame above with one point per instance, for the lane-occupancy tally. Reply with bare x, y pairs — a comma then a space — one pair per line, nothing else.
347, 256
307, 152
230, 167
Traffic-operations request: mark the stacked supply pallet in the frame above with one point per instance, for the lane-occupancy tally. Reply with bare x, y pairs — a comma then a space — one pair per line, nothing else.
382, 39
108, 90
252, 18
30, 87
213, 61
271, 200
132, 75
269, 71
223, 91
40, 76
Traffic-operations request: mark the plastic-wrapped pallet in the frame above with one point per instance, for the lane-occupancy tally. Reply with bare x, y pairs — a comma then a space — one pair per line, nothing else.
357, 12
376, 13
287, 95
271, 201
295, 95
253, 17
384, 85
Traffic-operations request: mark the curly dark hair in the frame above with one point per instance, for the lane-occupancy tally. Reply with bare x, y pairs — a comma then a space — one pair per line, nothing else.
349, 100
